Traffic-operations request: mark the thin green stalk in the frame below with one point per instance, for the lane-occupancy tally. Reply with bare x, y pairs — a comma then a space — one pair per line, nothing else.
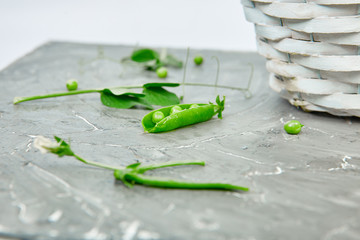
24, 99
212, 85
217, 71
251, 75
142, 169
97, 164
244, 90
247, 92
184, 74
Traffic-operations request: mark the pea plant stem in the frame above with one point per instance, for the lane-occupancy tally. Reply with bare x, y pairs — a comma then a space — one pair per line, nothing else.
130, 176
134, 173
142, 169
95, 164
61, 94
168, 183
24, 99
212, 85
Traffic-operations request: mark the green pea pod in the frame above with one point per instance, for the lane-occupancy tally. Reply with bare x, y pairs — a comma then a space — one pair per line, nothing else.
188, 116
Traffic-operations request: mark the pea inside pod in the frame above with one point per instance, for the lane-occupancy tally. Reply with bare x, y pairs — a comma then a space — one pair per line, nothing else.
157, 116
175, 109
190, 114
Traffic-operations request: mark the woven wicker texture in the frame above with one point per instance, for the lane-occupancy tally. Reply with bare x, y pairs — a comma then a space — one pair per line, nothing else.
313, 51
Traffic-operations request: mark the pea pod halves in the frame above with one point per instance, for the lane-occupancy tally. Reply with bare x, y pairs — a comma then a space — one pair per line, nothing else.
189, 114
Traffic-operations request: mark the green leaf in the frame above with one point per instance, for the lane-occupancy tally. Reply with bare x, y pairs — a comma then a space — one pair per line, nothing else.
62, 150
134, 165
220, 106
164, 84
117, 91
122, 101
159, 96
144, 55
61, 142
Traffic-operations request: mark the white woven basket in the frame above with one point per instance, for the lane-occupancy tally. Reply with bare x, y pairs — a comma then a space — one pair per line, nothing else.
313, 51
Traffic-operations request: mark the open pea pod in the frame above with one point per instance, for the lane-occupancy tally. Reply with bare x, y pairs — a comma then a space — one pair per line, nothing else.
181, 115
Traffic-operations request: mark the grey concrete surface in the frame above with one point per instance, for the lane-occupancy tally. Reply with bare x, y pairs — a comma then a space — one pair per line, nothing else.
302, 186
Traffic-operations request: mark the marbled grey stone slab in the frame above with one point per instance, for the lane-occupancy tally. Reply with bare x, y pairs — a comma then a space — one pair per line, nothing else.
301, 187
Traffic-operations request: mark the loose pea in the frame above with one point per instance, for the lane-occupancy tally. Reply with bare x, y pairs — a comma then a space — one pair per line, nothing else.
71, 84
293, 127
194, 106
161, 72
175, 109
198, 60
157, 116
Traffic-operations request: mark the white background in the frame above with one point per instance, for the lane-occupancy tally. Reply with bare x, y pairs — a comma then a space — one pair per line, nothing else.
201, 24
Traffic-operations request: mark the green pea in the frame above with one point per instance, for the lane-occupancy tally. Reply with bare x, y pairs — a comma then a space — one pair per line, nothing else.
198, 60
157, 116
175, 109
293, 127
72, 84
161, 72
194, 106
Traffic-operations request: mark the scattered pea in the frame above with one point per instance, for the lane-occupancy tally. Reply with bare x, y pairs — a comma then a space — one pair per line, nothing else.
175, 109
293, 127
161, 72
72, 84
198, 60
157, 116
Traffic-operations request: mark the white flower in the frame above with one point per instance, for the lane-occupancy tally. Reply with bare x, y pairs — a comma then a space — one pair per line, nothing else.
44, 144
